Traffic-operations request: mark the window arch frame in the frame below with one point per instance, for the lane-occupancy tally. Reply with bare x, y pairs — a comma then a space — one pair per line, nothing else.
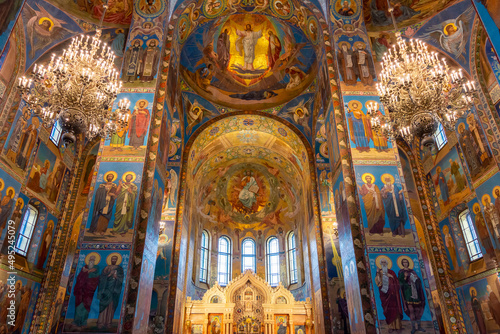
56, 133
252, 256
293, 272
226, 276
471, 239
26, 222
272, 276
204, 256
440, 137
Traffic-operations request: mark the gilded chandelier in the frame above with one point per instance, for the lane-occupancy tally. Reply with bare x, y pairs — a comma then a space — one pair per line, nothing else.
78, 89
418, 90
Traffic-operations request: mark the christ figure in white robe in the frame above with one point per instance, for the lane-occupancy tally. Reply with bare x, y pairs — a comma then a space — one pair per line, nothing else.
246, 43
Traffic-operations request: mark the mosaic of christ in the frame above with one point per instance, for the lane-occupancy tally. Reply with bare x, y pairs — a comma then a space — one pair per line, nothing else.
248, 191
248, 60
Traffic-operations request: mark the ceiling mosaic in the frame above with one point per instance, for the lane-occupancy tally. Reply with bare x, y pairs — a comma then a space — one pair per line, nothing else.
249, 61
245, 169
406, 12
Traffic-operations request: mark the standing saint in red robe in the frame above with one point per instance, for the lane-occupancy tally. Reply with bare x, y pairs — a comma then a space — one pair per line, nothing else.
273, 50
388, 285
139, 124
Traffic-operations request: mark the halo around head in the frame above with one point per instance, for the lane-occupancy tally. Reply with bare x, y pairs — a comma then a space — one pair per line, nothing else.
20, 202
10, 188
387, 175
350, 103
383, 257
497, 187
118, 255
142, 100
2, 184
344, 43
359, 45
115, 176
483, 199
411, 264
446, 229
45, 18
129, 173
363, 177
472, 289
96, 255
438, 169
445, 30
476, 208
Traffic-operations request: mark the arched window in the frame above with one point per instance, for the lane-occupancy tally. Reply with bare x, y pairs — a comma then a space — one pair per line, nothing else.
292, 258
205, 251
26, 230
273, 261
224, 261
248, 260
470, 235
55, 134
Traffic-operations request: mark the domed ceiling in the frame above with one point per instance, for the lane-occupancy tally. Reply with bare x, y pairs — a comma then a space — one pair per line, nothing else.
248, 170
249, 61
406, 12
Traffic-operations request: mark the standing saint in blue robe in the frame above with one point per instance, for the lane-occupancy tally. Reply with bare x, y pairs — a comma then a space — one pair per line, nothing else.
394, 205
359, 127
443, 186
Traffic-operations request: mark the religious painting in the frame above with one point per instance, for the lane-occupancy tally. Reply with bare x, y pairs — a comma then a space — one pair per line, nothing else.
345, 8
21, 140
73, 242
474, 145
150, 8
398, 283
196, 112
46, 175
248, 195
325, 192
356, 66
383, 206
112, 212
10, 10
450, 31
9, 189
215, 324
58, 304
452, 251
449, 181
45, 244
378, 17
88, 171
44, 26
366, 143
480, 305
164, 253
141, 62
213, 8
25, 295
44, 227
380, 44
131, 140
16, 217
97, 291
488, 195
249, 61
281, 324
299, 329
300, 111
119, 13
332, 138
170, 195
282, 8
487, 230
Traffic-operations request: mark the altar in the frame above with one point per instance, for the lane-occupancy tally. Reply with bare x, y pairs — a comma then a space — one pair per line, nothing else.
248, 305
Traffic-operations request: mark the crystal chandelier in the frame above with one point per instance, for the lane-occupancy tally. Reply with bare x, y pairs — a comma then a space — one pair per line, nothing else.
418, 90
77, 89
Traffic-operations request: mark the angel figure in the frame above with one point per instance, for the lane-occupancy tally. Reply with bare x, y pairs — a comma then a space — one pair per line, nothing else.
147, 28
300, 114
196, 113
349, 30
452, 34
43, 29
